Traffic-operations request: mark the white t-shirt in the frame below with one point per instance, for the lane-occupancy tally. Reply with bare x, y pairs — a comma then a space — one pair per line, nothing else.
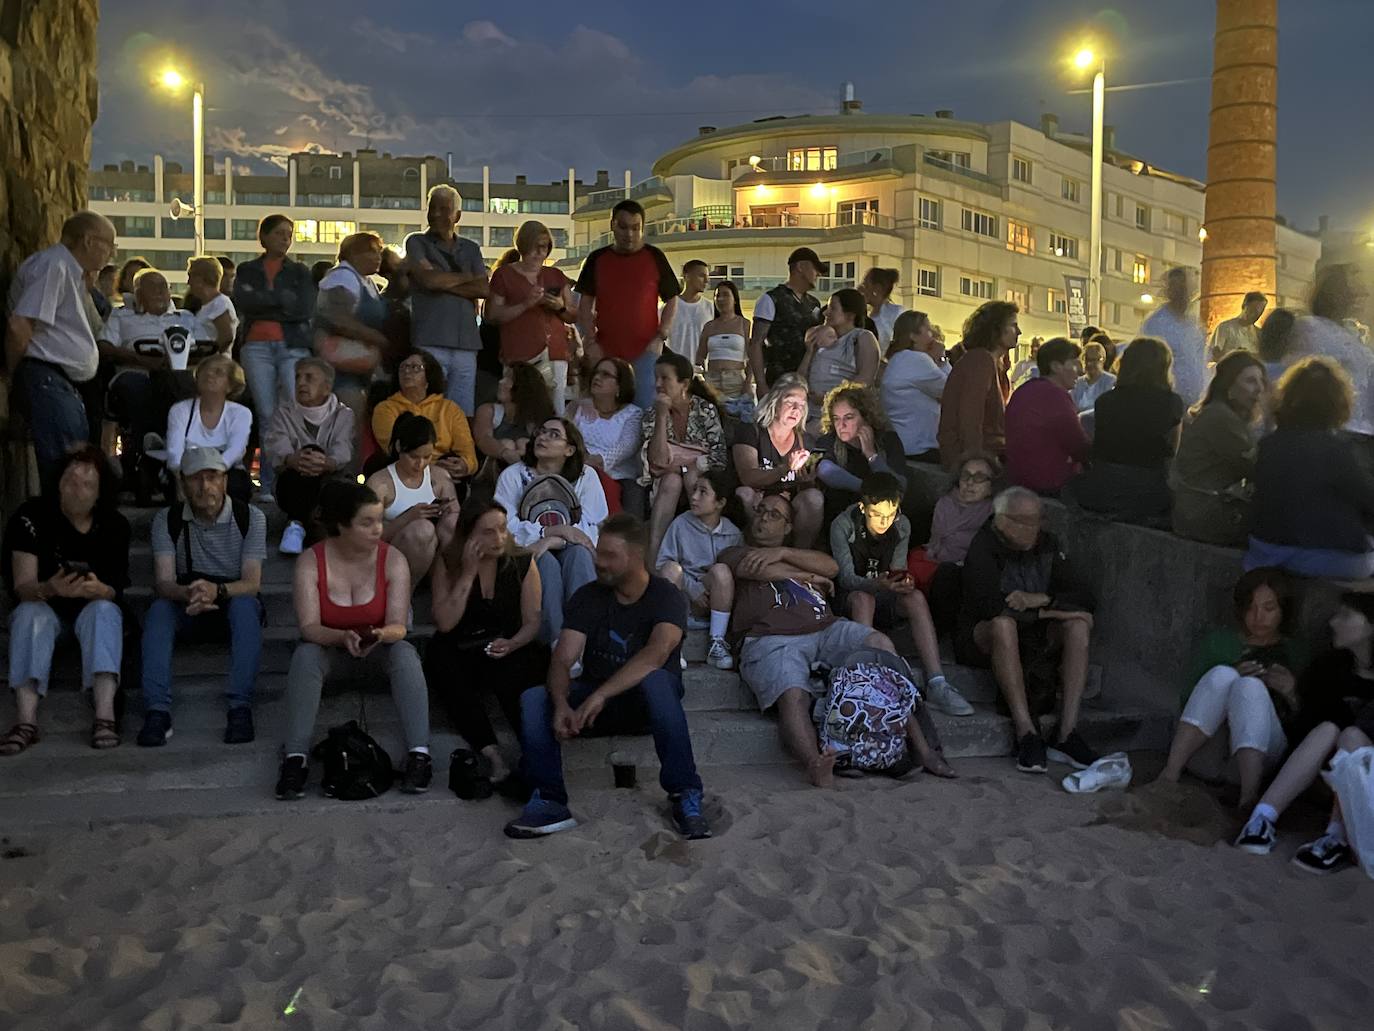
765, 309
172, 333
1189, 345
345, 276
885, 318
688, 321
211, 310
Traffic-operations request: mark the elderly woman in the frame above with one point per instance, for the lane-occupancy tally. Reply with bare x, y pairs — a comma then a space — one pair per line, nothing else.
1095, 380
613, 427
275, 298
420, 391
503, 428
721, 352
856, 441
532, 303
67, 565
554, 507
1216, 455
771, 457
838, 351
877, 287
418, 499
350, 316
210, 419
352, 596
683, 438
217, 323
912, 382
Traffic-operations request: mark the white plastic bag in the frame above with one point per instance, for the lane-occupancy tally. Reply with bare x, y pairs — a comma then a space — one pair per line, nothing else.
1352, 779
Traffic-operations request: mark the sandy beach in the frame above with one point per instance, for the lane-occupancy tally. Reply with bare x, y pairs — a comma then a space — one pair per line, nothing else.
996, 901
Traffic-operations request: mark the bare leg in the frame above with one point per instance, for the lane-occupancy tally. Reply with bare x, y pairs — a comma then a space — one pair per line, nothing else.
1302, 767
418, 541
666, 497
103, 687
748, 497
26, 701
917, 612
862, 606
720, 587
808, 508
931, 760
1074, 671
998, 637
799, 737
1187, 740
672, 572
1251, 763
499, 770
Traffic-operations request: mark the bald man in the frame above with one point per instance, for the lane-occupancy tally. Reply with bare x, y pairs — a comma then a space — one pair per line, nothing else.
50, 348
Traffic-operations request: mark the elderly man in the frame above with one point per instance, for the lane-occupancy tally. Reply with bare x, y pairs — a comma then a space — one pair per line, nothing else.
783, 628
207, 564
49, 347
447, 274
1019, 604
620, 287
308, 442
1173, 324
1240, 333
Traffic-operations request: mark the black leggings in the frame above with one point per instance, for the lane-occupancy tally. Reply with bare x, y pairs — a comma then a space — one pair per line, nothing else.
458, 676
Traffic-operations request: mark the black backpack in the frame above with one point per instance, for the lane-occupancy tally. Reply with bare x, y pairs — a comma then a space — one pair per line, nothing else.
355, 766
178, 530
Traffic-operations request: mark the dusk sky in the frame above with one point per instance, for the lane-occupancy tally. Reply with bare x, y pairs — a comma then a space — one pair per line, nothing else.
535, 88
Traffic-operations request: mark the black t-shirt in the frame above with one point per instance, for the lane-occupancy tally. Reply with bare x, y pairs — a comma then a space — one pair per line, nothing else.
755, 436
39, 528
1134, 425
616, 632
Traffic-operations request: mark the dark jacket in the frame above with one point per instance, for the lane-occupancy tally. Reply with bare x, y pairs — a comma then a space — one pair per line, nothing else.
1311, 491
290, 300
993, 570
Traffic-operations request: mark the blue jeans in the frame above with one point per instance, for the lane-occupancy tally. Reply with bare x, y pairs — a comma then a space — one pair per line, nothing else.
34, 632
167, 620
657, 702
644, 378
561, 573
56, 414
270, 368
1341, 565
460, 374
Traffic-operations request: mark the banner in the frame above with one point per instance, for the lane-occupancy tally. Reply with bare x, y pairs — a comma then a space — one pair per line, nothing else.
1076, 293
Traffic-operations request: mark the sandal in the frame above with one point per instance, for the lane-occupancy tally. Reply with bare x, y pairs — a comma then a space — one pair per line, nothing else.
104, 735
20, 737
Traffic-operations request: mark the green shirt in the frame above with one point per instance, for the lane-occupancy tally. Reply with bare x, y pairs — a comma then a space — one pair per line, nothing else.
1227, 648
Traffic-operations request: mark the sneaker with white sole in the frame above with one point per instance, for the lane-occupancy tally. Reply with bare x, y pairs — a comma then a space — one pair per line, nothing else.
292, 539
718, 655
942, 696
540, 818
1258, 836
1328, 854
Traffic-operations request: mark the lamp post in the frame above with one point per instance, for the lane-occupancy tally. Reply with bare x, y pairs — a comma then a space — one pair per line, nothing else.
1085, 59
174, 80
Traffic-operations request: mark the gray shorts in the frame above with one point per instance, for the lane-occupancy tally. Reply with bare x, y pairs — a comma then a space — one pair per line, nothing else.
772, 665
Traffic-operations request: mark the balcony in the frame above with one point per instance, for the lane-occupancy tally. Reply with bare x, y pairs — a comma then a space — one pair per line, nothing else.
849, 159
599, 200
978, 180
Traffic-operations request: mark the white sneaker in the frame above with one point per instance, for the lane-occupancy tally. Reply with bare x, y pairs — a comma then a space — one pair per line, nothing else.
682, 661
940, 695
718, 654
292, 539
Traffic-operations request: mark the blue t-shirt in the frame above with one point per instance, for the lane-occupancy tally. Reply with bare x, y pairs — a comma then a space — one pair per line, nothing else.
615, 632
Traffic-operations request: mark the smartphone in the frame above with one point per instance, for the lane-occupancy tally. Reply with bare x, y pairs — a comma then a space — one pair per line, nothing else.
77, 568
367, 636
812, 460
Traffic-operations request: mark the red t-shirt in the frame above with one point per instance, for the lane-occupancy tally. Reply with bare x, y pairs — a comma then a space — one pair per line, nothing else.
627, 288
1046, 445
524, 337
264, 330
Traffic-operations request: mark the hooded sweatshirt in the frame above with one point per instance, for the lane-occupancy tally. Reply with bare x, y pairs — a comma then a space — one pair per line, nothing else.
451, 431
696, 547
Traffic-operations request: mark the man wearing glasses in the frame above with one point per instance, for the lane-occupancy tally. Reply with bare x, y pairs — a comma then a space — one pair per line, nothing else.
49, 347
1019, 610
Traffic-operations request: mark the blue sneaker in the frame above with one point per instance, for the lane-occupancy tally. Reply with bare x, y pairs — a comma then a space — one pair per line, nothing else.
541, 817
687, 816
157, 728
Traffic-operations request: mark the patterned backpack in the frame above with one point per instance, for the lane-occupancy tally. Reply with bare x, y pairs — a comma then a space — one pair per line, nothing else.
550, 500
863, 717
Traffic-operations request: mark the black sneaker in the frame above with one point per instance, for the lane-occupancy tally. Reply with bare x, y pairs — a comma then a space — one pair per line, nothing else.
238, 730
1328, 854
157, 728
687, 815
1074, 751
1030, 753
418, 772
291, 781
465, 777
1258, 837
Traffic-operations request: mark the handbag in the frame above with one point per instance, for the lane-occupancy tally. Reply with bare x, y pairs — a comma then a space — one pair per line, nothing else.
686, 456
348, 356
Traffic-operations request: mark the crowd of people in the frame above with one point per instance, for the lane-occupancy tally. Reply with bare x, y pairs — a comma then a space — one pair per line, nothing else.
579, 472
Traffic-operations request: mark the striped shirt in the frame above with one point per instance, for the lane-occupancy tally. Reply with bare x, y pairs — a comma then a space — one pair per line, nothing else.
218, 550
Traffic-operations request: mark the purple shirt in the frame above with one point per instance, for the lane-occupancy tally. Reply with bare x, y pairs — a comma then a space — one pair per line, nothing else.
1046, 445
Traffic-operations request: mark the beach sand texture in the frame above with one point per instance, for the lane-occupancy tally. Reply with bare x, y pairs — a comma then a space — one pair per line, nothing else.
996, 901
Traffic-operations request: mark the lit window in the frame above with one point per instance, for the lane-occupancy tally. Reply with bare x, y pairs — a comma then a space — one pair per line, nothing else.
1021, 170
1019, 296
979, 222
1063, 246
950, 158
981, 289
928, 282
857, 213
332, 231
1140, 269
929, 217
1057, 302
307, 230
1071, 190
1020, 237
812, 159
505, 206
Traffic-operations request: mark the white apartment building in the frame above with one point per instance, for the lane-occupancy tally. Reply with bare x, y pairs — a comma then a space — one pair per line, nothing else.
966, 212
328, 195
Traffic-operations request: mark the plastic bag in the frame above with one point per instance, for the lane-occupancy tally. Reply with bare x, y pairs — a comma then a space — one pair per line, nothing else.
1352, 779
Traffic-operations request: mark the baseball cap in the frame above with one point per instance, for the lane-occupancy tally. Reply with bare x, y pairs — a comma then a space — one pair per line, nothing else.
807, 254
199, 459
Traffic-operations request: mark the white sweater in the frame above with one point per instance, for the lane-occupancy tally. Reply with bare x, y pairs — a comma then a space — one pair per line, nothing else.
510, 487
229, 437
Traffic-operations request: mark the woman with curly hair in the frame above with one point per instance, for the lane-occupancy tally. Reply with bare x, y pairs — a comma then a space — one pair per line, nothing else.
856, 440
503, 428
973, 408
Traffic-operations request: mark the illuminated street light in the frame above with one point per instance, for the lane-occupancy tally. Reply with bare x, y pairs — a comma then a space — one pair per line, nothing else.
1147, 298
1083, 59
173, 80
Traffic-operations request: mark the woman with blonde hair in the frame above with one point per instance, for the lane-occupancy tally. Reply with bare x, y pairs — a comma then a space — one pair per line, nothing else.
217, 323
349, 316
532, 303
771, 456
211, 419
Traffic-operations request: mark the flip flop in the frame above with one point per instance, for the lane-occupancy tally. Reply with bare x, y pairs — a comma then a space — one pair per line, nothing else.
1111, 771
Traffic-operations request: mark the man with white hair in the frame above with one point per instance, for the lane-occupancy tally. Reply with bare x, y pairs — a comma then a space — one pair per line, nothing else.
49, 346
1019, 608
447, 274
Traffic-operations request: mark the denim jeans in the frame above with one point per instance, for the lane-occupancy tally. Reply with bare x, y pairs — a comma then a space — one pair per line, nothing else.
561, 573
167, 620
657, 702
270, 368
56, 414
644, 378
460, 373
35, 630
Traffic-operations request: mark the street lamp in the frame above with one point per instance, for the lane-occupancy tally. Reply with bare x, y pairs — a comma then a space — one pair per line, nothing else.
1084, 59
174, 81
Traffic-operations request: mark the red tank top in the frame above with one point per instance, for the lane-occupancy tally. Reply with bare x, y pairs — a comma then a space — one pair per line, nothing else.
352, 617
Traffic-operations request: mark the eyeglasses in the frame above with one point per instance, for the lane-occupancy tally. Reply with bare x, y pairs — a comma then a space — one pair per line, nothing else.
773, 513
411, 367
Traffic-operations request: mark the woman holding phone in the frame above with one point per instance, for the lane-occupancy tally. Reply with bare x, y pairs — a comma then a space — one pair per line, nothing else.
352, 597
532, 303
771, 457
418, 498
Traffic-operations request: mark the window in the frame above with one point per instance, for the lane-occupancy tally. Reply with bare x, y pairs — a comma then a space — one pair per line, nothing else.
950, 158
1063, 246
1120, 206
504, 206
214, 196
1116, 260
391, 203
178, 228
335, 172
928, 282
1019, 296
243, 229
1057, 303
560, 237
1174, 223
310, 230
214, 229
411, 173
473, 233
929, 214
857, 213
1142, 216
717, 274
390, 232
268, 199
980, 222
1020, 237
544, 207
501, 236
325, 200
120, 193
1140, 269
812, 159
1071, 190
972, 286
842, 274
1021, 170
134, 225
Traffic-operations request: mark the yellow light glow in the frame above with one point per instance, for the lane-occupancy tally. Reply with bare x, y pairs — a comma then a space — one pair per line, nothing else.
1147, 298
172, 79
1202, 234
760, 190
1084, 58
819, 191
